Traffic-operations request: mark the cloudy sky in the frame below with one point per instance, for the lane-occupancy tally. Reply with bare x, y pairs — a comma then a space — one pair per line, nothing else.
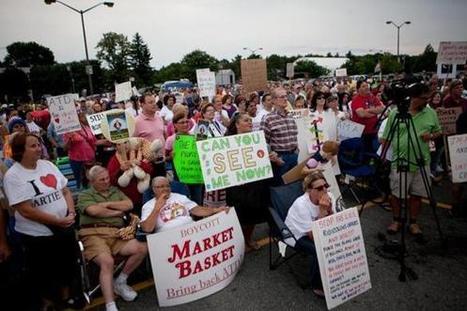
173, 28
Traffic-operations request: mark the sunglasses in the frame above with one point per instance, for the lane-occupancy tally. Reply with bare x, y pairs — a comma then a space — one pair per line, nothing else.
321, 97
322, 187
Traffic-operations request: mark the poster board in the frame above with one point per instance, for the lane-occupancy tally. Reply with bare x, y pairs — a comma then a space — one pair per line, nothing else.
206, 82
447, 119
452, 52
94, 121
341, 72
234, 160
299, 113
290, 70
123, 91
349, 129
63, 113
196, 260
117, 125
342, 257
457, 145
186, 160
254, 75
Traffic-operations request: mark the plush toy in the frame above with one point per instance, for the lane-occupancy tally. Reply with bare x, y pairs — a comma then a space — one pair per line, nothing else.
133, 152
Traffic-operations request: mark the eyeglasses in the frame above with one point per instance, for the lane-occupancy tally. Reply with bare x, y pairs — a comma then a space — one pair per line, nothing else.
162, 186
210, 110
319, 98
322, 187
182, 122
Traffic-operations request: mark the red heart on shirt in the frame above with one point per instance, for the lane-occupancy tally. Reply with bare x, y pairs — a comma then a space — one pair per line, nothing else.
49, 180
57, 120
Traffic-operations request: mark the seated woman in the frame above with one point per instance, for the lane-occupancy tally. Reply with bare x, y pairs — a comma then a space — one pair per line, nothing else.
314, 204
169, 210
327, 152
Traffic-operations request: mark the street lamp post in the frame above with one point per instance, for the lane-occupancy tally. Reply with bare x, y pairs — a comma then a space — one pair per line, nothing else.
253, 51
398, 33
82, 12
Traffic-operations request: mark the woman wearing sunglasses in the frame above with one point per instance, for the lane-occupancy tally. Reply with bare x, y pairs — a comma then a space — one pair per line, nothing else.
314, 204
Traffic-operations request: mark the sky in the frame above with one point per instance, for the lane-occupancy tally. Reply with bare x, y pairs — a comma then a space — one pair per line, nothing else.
222, 28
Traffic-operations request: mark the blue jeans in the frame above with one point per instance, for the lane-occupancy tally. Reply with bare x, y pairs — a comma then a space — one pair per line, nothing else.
290, 161
308, 246
77, 167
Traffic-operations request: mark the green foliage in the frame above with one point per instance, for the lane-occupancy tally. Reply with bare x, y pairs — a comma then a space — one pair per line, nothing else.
277, 66
197, 60
27, 54
114, 50
310, 69
139, 61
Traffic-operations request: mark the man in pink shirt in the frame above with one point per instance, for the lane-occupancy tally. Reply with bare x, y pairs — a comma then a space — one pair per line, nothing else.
148, 124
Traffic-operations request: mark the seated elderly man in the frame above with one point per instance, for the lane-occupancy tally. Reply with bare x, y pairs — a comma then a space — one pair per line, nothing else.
102, 208
314, 204
168, 210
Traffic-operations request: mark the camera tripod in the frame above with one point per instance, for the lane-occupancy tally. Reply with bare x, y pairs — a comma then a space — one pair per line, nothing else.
403, 122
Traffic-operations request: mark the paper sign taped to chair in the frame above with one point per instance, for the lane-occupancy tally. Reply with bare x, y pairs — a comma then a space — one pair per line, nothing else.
342, 257
196, 260
234, 160
458, 155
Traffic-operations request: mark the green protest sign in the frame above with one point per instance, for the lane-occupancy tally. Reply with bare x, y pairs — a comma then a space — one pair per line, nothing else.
186, 160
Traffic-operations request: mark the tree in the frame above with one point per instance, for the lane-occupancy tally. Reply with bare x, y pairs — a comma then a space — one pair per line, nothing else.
114, 51
311, 69
197, 60
139, 60
27, 54
174, 71
426, 61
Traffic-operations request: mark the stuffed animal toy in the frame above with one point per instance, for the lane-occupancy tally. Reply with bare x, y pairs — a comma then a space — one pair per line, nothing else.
133, 152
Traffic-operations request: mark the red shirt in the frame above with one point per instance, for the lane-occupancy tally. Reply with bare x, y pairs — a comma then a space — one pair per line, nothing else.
365, 102
451, 102
41, 117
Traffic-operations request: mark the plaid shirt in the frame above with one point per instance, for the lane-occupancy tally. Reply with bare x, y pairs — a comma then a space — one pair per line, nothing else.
280, 131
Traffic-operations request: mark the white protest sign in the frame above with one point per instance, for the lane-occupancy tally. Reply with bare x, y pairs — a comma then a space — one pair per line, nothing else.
299, 113
123, 91
349, 129
63, 113
458, 156
94, 121
341, 72
196, 260
305, 137
234, 160
206, 82
290, 70
342, 257
447, 119
329, 172
452, 52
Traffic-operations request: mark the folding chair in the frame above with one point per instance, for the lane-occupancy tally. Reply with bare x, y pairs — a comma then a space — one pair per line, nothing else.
359, 166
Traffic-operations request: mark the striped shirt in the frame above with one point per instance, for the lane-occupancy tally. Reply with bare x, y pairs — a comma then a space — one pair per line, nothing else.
280, 131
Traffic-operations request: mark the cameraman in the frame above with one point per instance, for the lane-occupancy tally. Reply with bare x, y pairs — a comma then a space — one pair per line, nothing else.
427, 128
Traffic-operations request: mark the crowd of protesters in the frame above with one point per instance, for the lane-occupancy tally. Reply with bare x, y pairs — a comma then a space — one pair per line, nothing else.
37, 203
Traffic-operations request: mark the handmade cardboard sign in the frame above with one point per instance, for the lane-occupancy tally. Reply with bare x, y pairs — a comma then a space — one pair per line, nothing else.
186, 160
206, 82
452, 52
458, 154
234, 160
254, 75
299, 113
342, 257
341, 72
123, 91
63, 113
94, 121
196, 260
349, 129
447, 119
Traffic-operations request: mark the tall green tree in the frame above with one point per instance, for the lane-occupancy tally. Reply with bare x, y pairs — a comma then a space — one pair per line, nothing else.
139, 61
310, 69
114, 51
426, 61
197, 60
27, 54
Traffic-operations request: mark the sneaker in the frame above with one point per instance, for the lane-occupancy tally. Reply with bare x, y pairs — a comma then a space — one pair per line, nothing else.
126, 292
414, 229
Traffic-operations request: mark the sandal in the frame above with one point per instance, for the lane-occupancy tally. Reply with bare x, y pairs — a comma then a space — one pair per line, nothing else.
414, 229
319, 293
394, 227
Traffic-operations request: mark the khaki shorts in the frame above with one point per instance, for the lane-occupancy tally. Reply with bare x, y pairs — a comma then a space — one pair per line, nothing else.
100, 240
414, 181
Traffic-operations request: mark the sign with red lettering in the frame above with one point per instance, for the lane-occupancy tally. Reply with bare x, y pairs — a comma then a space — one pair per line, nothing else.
234, 160
341, 255
447, 119
452, 52
196, 260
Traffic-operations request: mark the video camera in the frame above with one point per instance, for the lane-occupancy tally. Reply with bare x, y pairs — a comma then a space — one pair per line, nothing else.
400, 92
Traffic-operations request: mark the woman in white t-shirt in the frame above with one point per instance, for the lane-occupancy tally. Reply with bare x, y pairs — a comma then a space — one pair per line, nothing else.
44, 209
166, 111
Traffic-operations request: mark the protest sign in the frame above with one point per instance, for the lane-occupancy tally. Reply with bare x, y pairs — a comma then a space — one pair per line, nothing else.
63, 113
342, 257
458, 155
206, 82
254, 75
452, 52
299, 113
94, 121
305, 137
290, 70
447, 119
117, 125
341, 72
349, 129
186, 160
234, 160
123, 91
196, 260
